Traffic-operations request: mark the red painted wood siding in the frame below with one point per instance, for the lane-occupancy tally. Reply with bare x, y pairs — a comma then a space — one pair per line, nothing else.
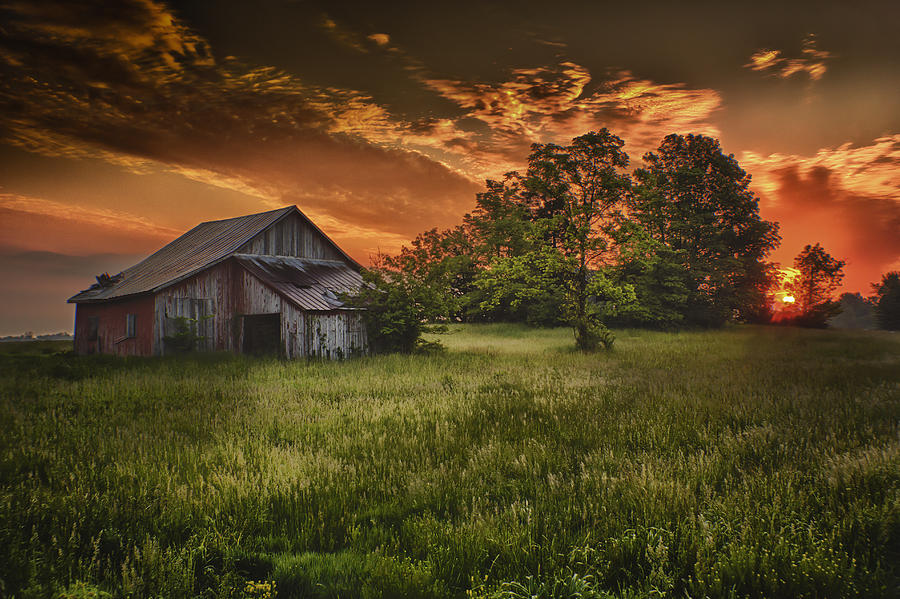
110, 337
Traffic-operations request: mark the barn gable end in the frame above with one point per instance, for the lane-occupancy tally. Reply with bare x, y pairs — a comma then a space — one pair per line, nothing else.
294, 235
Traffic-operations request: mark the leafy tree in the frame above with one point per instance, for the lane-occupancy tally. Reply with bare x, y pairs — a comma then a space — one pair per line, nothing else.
887, 307
501, 224
444, 263
763, 302
608, 298
396, 307
696, 201
450, 260
820, 276
576, 193
655, 272
528, 288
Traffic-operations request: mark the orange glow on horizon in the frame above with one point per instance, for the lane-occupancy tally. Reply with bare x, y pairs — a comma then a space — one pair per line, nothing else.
782, 299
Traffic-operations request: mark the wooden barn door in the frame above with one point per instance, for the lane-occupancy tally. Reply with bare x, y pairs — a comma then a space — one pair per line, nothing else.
262, 334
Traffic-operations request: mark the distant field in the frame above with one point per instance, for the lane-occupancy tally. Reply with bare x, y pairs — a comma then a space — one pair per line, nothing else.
747, 462
34, 347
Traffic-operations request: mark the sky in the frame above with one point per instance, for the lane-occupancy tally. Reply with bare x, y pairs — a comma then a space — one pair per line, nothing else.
124, 124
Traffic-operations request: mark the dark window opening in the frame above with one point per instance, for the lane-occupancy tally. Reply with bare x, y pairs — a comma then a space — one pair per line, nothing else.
130, 320
93, 328
262, 334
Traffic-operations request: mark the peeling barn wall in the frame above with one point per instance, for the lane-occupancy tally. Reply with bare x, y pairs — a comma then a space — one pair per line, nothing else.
338, 334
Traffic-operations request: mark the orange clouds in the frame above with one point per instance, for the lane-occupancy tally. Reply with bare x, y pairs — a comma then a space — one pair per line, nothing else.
554, 104
873, 169
382, 39
812, 61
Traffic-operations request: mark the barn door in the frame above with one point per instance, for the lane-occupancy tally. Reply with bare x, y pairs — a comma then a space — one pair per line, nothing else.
262, 334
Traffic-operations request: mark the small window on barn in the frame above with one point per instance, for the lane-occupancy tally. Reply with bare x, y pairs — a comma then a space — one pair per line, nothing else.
130, 325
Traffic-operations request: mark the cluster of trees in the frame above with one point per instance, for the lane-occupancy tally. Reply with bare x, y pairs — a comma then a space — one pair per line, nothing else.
818, 276
576, 239
880, 310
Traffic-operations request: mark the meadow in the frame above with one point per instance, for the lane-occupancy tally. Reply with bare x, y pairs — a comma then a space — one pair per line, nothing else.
744, 462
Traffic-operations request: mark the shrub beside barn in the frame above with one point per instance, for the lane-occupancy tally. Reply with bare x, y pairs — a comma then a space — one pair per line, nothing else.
267, 283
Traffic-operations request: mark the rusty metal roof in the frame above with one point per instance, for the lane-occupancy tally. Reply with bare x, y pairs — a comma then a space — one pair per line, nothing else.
309, 284
206, 244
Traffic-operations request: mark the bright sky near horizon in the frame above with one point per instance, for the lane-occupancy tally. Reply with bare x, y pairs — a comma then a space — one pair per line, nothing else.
124, 124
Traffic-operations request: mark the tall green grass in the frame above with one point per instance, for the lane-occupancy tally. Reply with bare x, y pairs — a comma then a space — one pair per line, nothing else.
748, 462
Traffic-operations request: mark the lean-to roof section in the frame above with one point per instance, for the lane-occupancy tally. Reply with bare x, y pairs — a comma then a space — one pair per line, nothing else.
309, 284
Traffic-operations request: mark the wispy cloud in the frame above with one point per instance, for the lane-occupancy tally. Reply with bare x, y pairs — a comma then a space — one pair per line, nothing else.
556, 103
112, 219
29, 223
382, 39
811, 62
341, 35
347, 37
872, 169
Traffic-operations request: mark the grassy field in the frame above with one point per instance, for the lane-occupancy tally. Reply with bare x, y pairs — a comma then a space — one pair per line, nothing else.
747, 462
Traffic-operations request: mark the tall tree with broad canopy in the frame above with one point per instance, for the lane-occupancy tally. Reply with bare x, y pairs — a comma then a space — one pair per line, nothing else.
696, 200
655, 271
576, 194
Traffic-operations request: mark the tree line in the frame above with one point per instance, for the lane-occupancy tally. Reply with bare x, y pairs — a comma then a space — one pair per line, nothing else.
578, 240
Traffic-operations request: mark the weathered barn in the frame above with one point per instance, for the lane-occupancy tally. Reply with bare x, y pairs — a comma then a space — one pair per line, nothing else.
264, 283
